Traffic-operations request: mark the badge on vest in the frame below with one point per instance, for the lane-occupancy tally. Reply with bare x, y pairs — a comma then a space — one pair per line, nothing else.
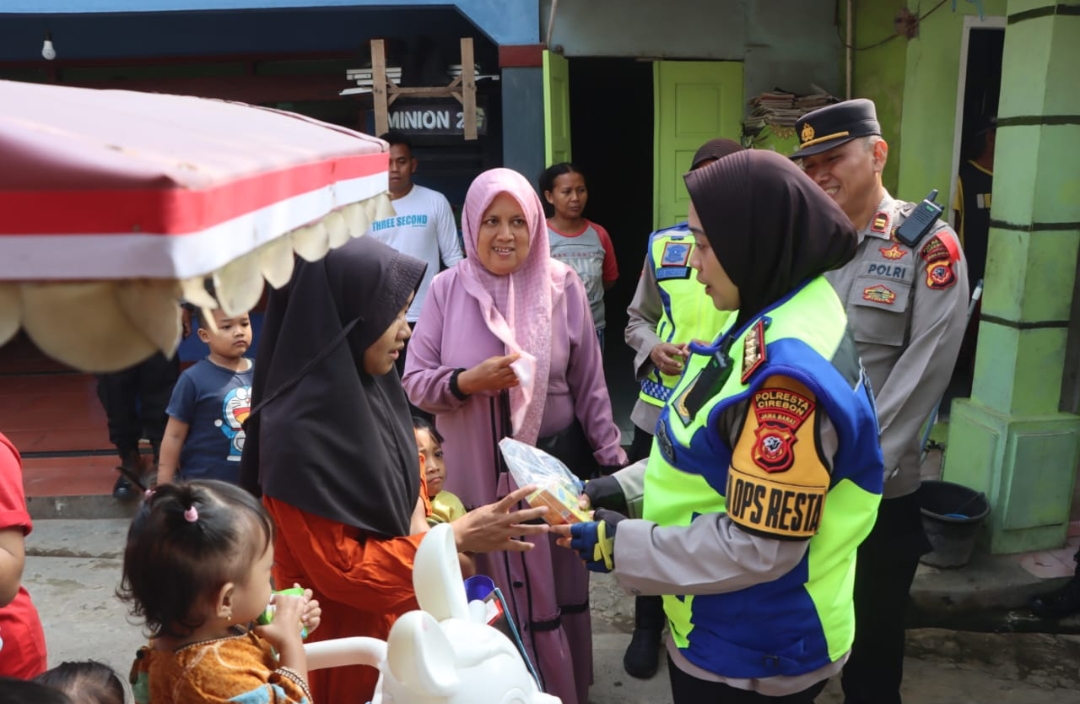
893, 253
939, 256
770, 491
763, 507
937, 249
667, 273
675, 261
880, 224
676, 254
754, 352
780, 413
879, 294
940, 275
893, 271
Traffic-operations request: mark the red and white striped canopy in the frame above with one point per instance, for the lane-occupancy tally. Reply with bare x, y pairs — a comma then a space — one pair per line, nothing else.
114, 205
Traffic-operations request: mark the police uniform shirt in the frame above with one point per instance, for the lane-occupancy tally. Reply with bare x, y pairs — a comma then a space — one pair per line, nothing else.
907, 307
643, 315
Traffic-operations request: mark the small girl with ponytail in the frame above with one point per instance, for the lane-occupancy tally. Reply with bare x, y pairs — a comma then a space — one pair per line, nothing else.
197, 572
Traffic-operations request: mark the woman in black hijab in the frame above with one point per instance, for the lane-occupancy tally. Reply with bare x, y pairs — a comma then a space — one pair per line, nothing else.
330, 448
771, 231
766, 471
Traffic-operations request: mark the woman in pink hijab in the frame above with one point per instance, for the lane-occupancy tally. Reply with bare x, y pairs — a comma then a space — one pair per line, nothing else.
508, 333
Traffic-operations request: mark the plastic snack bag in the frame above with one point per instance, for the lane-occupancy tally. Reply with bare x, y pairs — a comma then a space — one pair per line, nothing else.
557, 487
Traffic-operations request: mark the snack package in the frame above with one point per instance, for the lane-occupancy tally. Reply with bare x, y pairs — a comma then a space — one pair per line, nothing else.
557, 487
563, 505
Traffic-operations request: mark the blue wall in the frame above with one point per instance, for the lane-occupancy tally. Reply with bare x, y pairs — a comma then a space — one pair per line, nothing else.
523, 121
503, 21
96, 36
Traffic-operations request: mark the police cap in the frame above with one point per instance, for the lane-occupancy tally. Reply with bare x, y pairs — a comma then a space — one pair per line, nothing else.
833, 125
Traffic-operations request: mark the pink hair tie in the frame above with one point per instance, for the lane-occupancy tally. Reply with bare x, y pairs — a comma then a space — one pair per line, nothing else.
149, 494
191, 515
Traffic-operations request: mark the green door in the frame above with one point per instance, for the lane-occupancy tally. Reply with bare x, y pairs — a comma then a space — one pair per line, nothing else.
694, 101
556, 109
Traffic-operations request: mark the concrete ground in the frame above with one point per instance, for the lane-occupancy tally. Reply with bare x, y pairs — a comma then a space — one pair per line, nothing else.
73, 569
942, 666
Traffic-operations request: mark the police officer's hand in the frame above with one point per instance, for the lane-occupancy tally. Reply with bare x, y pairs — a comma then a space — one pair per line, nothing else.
594, 541
668, 358
603, 492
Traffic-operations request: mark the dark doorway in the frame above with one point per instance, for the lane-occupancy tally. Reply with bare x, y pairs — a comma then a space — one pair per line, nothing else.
611, 127
982, 88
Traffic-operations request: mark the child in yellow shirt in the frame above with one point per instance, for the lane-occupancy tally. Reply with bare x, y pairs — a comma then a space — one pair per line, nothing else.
445, 506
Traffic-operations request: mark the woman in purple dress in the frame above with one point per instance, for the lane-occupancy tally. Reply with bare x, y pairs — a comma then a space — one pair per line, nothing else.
505, 347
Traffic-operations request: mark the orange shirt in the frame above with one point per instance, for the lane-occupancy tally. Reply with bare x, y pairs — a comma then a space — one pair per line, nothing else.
362, 583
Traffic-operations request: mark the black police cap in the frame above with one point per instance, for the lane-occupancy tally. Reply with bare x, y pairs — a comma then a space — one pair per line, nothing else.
833, 125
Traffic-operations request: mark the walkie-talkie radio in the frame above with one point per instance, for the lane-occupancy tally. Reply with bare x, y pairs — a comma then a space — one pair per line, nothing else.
920, 221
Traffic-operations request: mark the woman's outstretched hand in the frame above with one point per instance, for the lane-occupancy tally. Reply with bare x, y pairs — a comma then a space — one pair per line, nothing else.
497, 527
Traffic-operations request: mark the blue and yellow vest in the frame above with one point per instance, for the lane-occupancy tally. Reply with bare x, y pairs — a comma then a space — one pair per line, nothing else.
688, 311
805, 619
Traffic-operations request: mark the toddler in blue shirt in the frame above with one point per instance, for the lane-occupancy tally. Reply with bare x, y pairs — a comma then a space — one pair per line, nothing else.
204, 436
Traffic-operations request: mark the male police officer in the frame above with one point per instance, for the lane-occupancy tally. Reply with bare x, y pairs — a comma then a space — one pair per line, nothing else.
670, 308
907, 307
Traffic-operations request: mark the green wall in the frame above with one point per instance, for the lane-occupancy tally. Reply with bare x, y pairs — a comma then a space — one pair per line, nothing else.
878, 72
929, 104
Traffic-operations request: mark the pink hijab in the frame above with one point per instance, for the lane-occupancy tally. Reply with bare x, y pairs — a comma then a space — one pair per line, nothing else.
516, 307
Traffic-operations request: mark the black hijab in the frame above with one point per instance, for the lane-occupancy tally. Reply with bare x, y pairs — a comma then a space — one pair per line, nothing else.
325, 436
715, 149
771, 227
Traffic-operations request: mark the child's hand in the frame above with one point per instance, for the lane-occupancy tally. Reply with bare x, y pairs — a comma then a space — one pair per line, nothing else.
284, 631
312, 615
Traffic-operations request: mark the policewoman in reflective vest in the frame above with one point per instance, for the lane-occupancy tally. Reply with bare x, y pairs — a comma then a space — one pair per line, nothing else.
766, 471
668, 311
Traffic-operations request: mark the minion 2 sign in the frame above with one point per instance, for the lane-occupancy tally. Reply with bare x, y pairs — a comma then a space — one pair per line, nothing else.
433, 119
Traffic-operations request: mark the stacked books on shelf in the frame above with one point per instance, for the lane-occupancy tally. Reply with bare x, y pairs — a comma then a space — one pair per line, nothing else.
778, 108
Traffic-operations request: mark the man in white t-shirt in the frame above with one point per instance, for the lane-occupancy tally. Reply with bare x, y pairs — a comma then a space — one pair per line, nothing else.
423, 227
